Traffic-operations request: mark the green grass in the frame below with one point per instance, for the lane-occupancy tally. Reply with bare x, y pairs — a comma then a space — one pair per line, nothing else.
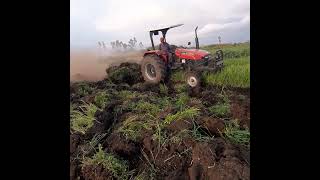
180, 88
151, 171
181, 101
146, 118
142, 176
159, 134
81, 121
145, 107
84, 89
236, 135
125, 94
236, 73
101, 99
220, 109
118, 168
133, 126
189, 113
72, 107
164, 102
230, 51
199, 135
195, 102
177, 76
96, 139
196, 133
90, 146
120, 74
163, 89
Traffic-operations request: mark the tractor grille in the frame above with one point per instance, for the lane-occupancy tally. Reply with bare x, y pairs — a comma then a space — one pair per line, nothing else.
202, 62
209, 60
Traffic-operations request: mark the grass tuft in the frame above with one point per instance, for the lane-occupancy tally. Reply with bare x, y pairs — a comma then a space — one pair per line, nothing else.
181, 101
189, 113
133, 126
163, 89
181, 87
236, 73
177, 76
235, 134
146, 107
101, 99
200, 135
84, 89
125, 94
118, 168
82, 120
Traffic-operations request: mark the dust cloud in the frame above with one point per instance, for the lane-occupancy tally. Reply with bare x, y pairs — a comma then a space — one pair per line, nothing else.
90, 65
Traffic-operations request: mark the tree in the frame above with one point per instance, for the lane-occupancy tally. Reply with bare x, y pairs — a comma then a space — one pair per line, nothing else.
125, 46
112, 44
134, 41
117, 44
130, 42
141, 45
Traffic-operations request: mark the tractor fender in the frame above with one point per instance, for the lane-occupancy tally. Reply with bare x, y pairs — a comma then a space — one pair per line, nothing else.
159, 53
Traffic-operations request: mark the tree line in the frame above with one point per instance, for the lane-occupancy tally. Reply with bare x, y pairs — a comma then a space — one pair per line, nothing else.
119, 45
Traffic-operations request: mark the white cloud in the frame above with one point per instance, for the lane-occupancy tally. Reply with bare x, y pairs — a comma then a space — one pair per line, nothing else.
123, 19
122, 16
209, 28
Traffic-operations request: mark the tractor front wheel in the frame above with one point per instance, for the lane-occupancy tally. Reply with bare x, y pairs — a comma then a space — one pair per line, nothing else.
193, 79
153, 69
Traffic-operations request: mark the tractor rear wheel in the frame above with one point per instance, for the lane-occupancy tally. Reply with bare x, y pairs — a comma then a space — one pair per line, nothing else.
153, 69
193, 79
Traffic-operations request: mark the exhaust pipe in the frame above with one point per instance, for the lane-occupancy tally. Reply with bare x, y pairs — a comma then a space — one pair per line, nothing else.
197, 40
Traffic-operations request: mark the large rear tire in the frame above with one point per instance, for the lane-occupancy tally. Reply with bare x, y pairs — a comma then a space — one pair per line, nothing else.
153, 69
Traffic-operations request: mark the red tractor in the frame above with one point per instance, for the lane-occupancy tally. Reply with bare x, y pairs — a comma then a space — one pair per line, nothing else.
155, 66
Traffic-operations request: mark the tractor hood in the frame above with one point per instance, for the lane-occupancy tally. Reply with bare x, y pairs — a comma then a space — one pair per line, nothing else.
194, 54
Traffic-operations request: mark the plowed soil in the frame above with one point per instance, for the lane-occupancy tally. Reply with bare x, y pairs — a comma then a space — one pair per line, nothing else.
171, 158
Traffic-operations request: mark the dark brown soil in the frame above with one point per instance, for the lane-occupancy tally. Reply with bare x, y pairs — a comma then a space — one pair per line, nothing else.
184, 158
104, 120
74, 142
92, 172
119, 145
240, 106
178, 126
217, 160
213, 125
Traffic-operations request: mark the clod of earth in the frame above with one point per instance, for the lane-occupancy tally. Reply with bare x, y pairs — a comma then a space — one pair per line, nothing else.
125, 73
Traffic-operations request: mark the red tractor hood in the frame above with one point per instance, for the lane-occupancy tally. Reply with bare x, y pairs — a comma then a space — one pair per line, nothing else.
194, 54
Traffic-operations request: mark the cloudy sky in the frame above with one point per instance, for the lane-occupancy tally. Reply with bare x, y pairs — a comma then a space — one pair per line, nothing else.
108, 20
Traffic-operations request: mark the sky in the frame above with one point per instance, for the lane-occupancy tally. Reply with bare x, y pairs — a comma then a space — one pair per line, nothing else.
109, 20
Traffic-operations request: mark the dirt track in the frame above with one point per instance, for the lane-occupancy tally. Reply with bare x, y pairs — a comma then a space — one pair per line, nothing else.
90, 66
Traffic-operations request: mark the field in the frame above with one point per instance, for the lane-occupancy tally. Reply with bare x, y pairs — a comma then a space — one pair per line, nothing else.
122, 128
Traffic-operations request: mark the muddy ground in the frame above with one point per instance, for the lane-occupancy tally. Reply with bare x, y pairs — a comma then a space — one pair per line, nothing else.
188, 148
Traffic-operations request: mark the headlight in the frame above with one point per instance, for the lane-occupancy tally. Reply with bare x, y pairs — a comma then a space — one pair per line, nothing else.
208, 57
